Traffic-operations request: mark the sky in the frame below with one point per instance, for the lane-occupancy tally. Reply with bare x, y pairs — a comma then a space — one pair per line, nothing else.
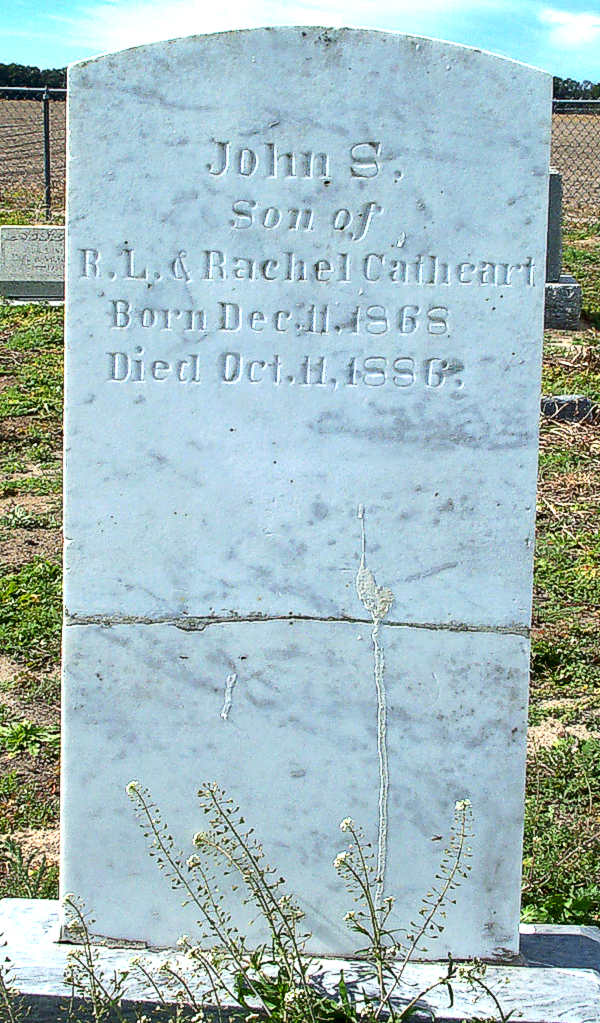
560, 36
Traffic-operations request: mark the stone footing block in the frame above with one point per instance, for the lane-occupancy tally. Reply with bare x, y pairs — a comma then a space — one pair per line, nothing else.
33, 291
562, 309
558, 980
569, 408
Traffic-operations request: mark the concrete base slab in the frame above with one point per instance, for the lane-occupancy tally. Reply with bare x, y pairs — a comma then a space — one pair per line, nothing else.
559, 983
52, 302
562, 310
33, 291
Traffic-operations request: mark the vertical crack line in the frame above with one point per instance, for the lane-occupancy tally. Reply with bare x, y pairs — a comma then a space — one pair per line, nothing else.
377, 600
363, 536
229, 687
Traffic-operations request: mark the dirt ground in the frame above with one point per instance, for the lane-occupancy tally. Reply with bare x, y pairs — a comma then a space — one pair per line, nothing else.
27, 541
39, 843
22, 147
576, 154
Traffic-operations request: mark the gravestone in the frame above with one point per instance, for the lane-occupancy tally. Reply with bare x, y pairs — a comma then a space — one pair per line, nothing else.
32, 262
563, 293
305, 305
554, 235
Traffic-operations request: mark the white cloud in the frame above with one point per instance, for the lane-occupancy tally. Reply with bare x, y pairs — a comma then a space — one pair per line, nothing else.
117, 24
571, 29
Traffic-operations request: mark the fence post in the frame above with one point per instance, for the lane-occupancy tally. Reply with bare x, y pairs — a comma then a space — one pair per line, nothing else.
47, 180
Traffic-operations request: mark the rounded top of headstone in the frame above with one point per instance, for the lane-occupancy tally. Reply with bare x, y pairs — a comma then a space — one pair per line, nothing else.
329, 38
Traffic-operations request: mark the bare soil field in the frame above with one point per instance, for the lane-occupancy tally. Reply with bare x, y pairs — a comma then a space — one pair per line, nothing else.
22, 154
576, 154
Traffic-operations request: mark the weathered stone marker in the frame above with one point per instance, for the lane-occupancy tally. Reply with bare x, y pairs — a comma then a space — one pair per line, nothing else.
563, 293
32, 262
305, 306
554, 233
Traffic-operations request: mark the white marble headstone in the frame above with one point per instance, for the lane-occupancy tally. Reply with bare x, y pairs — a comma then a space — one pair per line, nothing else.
305, 301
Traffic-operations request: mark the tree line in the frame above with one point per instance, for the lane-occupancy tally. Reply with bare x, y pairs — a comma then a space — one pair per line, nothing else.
32, 77
568, 88
56, 78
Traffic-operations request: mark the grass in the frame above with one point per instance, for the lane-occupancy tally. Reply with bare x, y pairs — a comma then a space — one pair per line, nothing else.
561, 882
23, 804
34, 361
31, 400
581, 255
572, 366
40, 486
30, 613
18, 517
27, 737
30, 587
25, 876
561, 872
27, 206
565, 657
34, 687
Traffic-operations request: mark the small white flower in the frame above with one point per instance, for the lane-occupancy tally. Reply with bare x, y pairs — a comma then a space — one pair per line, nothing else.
461, 805
133, 788
340, 859
193, 861
350, 915
199, 838
346, 824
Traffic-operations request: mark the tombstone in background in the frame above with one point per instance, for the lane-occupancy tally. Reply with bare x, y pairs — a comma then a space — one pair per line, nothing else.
554, 235
563, 293
305, 309
32, 262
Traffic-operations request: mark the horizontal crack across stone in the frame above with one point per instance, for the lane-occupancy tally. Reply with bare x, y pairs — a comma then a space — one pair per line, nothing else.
198, 624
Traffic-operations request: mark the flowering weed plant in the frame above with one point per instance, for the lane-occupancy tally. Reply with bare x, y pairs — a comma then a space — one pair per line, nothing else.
220, 973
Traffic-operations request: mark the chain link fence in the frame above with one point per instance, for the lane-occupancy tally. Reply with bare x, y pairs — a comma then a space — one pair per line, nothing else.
32, 155
576, 155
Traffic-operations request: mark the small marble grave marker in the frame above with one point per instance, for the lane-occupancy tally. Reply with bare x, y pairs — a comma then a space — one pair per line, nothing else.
32, 262
305, 302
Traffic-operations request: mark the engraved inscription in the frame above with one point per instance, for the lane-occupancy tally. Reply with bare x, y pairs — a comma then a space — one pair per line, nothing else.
271, 160
313, 244
339, 267
268, 161
123, 366
235, 367
300, 319
249, 213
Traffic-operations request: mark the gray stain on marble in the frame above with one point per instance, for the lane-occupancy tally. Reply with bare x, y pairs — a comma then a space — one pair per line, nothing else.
434, 570
445, 433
